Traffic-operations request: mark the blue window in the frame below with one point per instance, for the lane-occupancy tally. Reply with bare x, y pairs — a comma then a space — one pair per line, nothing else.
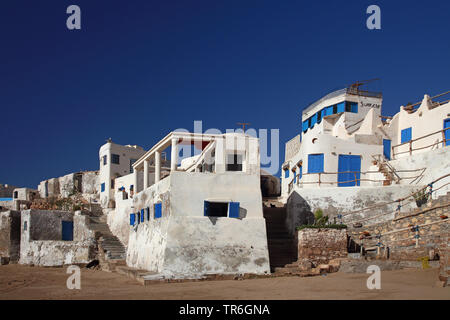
349, 167
300, 172
354, 107
295, 176
115, 158
387, 148
315, 163
147, 211
138, 217
142, 215
286, 173
234, 209
406, 135
67, 230
447, 132
305, 126
329, 110
132, 219
102, 187
341, 107
158, 210
105, 160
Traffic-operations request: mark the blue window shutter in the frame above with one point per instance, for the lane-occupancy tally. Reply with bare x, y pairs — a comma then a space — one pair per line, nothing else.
305, 126
205, 208
142, 215
447, 132
295, 176
300, 173
103, 187
148, 213
354, 107
387, 148
158, 210
315, 163
341, 107
234, 210
132, 219
329, 111
406, 135
67, 230
286, 173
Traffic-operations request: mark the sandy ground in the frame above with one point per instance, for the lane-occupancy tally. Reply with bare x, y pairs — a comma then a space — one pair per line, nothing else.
24, 282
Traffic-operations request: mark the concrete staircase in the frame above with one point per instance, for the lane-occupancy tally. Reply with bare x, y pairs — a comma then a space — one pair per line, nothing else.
282, 246
112, 253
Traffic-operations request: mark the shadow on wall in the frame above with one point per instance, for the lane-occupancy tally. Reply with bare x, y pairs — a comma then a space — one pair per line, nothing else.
298, 212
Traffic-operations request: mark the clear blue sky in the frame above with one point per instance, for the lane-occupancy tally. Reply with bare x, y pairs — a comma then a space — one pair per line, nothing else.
139, 69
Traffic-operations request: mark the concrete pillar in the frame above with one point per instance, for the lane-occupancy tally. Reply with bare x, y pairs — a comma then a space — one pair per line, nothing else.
157, 165
146, 174
174, 155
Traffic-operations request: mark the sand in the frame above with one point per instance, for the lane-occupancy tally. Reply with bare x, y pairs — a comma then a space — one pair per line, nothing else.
25, 282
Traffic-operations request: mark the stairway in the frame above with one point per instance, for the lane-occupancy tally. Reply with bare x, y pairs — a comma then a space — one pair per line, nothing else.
111, 246
282, 246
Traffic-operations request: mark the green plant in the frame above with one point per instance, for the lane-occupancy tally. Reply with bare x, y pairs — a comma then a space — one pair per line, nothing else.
320, 219
421, 197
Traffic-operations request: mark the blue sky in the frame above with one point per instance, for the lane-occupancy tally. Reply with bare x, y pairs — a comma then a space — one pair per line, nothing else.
139, 69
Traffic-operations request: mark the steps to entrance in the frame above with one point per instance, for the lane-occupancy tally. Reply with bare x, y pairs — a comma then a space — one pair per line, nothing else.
112, 248
282, 246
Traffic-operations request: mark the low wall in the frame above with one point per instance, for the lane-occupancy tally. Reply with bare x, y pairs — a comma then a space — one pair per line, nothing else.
322, 245
44, 247
303, 202
402, 245
10, 235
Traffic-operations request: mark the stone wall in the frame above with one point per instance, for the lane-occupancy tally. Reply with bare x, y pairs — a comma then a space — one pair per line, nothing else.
41, 241
10, 235
319, 246
402, 244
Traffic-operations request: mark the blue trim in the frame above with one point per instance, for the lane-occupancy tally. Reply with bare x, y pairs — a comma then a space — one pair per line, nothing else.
341, 107
132, 219
158, 210
447, 132
233, 209
6, 199
406, 135
315, 163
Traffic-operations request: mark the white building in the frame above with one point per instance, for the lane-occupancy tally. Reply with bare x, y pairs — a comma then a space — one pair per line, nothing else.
204, 217
115, 161
345, 141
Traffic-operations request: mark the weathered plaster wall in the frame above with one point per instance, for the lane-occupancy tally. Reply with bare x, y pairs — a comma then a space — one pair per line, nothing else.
185, 242
437, 164
303, 202
202, 245
10, 235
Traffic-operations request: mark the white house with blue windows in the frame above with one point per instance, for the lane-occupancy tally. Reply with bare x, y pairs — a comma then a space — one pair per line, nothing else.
204, 217
346, 142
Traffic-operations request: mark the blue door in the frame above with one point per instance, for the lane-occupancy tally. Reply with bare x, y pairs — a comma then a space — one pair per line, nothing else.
315, 163
387, 148
67, 230
447, 132
348, 163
